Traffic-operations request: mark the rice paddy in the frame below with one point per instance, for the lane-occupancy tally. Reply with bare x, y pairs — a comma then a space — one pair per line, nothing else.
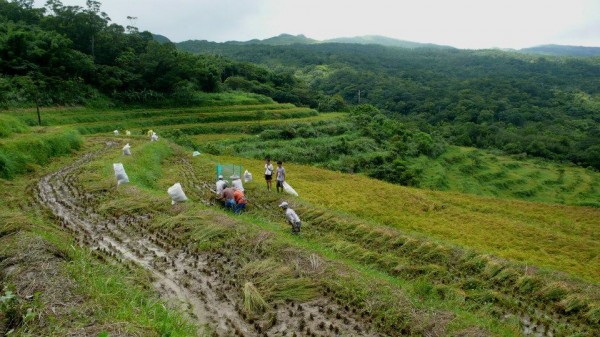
372, 259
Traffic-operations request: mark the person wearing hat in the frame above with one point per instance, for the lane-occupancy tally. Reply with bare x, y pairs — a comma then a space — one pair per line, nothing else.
292, 217
237, 182
221, 184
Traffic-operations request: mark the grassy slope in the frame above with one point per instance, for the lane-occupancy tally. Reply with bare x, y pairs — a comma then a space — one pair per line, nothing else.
481, 172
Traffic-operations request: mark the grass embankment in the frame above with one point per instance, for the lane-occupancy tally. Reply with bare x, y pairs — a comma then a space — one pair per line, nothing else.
480, 172
10, 125
166, 120
375, 239
57, 288
24, 151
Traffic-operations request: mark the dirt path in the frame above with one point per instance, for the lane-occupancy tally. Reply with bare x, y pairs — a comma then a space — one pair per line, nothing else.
200, 284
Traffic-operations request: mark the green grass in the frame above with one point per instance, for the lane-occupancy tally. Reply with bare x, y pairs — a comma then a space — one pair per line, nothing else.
132, 119
481, 172
10, 125
21, 154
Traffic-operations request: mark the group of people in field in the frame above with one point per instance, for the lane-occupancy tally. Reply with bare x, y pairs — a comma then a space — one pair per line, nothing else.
233, 196
279, 175
235, 199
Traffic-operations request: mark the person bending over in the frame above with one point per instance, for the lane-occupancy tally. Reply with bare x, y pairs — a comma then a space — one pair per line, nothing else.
292, 218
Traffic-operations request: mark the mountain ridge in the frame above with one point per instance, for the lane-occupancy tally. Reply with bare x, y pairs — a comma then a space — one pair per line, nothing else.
289, 39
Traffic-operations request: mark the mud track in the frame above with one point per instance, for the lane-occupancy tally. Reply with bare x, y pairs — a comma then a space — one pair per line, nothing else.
200, 284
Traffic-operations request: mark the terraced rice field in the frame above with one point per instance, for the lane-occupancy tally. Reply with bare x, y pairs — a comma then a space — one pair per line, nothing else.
373, 259
474, 171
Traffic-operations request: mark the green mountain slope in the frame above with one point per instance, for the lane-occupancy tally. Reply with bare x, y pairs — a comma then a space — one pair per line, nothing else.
561, 50
542, 106
384, 41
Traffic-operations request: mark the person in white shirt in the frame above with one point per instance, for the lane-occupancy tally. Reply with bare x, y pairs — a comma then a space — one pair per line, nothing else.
236, 182
292, 218
221, 184
268, 173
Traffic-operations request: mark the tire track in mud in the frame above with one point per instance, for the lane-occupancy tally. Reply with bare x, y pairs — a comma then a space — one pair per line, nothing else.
203, 285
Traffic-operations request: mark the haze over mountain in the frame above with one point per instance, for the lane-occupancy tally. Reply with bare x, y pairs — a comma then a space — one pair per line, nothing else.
560, 50
289, 39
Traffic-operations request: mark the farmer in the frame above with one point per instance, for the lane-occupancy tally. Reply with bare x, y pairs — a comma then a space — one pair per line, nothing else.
280, 176
268, 172
292, 218
236, 182
227, 195
221, 184
240, 201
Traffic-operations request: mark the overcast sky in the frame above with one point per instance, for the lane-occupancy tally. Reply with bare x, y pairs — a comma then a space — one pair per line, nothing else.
459, 23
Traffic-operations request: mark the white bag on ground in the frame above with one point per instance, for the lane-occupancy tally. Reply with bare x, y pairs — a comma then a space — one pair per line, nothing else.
288, 189
237, 183
195, 154
247, 176
154, 137
116, 132
120, 174
176, 194
126, 150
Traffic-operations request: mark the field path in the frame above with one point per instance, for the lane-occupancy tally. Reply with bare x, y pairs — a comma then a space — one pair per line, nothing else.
199, 284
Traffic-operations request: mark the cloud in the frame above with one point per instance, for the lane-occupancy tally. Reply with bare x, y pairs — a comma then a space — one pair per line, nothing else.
461, 23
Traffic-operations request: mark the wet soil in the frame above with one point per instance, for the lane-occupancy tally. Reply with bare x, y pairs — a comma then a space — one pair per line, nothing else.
201, 284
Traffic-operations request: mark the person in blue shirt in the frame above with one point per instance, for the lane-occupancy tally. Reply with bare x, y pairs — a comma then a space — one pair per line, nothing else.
280, 176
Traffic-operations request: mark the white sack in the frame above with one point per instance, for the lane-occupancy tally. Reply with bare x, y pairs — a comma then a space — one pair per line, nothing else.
247, 176
176, 194
288, 189
126, 150
120, 174
154, 137
116, 132
195, 154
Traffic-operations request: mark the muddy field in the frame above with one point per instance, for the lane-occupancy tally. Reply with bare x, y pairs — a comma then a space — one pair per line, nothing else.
206, 286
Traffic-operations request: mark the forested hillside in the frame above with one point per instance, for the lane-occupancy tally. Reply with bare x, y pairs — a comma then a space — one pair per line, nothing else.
542, 106
61, 54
